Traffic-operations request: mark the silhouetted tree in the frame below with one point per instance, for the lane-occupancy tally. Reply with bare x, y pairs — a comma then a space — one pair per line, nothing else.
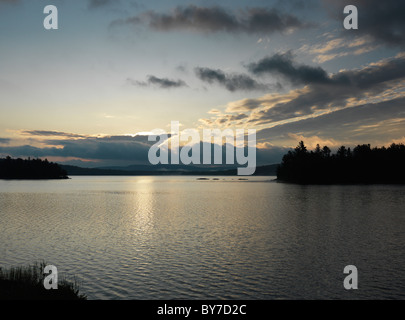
30, 169
363, 165
342, 152
301, 148
326, 152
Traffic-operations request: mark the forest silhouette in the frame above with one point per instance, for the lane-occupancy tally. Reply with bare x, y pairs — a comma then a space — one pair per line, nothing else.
362, 165
30, 169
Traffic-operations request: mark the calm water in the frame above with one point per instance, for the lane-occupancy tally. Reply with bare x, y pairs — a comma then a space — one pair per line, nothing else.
182, 238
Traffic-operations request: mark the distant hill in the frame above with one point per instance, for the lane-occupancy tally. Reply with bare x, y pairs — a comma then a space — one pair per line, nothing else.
136, 170
170, 168
30, 169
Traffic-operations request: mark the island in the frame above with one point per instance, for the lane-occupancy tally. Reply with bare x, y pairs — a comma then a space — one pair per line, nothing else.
362, 165
30, 169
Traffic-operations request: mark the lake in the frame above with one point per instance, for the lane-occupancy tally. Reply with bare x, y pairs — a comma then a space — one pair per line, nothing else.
177, 237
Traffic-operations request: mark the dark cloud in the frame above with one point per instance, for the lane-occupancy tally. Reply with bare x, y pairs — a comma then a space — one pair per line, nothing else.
239, 116
27, 151
270, 155
117, 149
107, 149
166, 83
4, 140
297, 4
122, 148
107, 139
283, 64
218, 19
383, 20
51, 133
337, 91
231, 82
367, 122
163, 83
374, 76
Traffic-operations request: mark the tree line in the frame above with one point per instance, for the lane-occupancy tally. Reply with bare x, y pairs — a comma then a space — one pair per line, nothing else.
30, 169
363, 164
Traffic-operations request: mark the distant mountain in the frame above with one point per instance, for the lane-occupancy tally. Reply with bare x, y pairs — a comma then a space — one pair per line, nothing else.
136, 170
169, 167
79, 171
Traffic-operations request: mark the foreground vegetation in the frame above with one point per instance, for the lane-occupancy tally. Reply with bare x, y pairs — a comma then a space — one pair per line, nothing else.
26, 283
362, 165
30, 169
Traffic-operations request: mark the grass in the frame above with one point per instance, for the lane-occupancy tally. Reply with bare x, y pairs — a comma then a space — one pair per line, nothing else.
27, 283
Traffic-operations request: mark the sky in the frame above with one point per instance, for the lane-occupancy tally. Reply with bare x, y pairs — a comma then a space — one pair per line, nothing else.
114, 70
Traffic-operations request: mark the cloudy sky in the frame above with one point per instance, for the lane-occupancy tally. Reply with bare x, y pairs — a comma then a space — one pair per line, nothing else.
115, 69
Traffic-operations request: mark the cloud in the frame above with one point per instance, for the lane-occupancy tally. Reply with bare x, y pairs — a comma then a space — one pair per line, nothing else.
120, 148
297, 4
340, 47
283, 64
269, 154
163, 83
4, 140
371, 123
382, 20
115, 150
51, 133
342, 89
166, 83
231, 82
217, 19
312, 141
